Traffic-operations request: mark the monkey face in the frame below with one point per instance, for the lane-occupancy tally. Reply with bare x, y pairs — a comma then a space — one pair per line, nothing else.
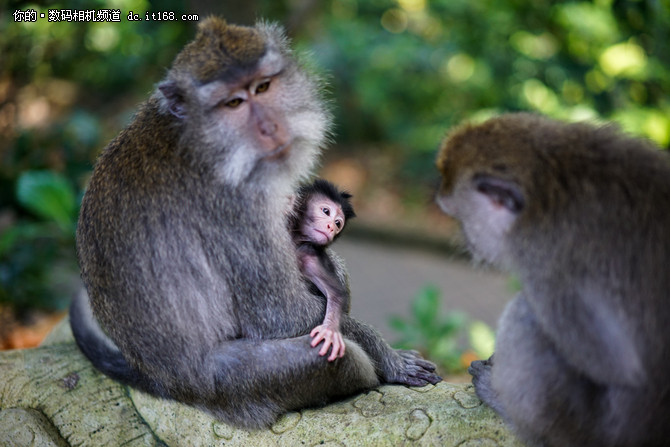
259, 115
253, 106
477, 191
323, 221
484, 223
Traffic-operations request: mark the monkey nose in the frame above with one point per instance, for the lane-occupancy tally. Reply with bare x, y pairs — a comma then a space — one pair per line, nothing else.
268, 128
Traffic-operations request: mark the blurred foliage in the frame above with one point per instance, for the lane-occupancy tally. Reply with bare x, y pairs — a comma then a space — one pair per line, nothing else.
405, 71
440, 337
36, 261
402, 72
60, 100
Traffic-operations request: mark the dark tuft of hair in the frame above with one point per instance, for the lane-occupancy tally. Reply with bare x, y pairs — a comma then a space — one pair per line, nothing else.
327, 189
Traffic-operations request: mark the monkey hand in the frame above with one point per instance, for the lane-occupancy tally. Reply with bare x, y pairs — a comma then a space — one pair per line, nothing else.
409, 368
329, 336
480, 370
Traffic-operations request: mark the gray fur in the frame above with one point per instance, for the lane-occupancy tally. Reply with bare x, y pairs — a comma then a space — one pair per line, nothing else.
191, 278
582, 214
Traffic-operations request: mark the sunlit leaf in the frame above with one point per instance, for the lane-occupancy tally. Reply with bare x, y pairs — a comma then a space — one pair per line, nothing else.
625, 59
482, 339
453, 322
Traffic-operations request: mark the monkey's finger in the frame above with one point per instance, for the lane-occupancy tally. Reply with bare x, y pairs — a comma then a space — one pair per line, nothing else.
335, 353
429, 377
342, 345
412, 381
315, 331
324, 348
318, 337
425, 364
318, 340
426, 374
338, 347
414, 357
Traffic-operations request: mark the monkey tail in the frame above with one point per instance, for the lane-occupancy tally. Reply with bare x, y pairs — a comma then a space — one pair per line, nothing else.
102, 352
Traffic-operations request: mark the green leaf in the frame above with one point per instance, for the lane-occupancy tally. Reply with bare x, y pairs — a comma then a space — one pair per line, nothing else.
22, 232
426, 306
398, 324
514, 284
49, 196
482, 339
454, 321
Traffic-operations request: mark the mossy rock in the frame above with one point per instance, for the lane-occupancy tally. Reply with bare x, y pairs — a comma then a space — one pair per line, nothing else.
52, 396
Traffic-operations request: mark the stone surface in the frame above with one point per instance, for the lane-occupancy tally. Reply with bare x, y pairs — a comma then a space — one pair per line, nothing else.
52, 396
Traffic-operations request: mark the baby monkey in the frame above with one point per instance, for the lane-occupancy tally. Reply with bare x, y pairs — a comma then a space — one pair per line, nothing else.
319, 213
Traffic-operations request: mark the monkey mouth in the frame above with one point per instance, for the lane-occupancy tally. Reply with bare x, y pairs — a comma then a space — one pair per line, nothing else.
326, 237
279, 151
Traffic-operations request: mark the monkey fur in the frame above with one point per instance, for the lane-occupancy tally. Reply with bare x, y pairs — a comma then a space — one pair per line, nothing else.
313, 231
193, 293
582, 214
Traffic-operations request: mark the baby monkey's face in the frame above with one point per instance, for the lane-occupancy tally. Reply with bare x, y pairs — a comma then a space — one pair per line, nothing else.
323, 220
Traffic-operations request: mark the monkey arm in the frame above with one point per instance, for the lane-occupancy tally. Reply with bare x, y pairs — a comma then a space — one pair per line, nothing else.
314, 267
594, 339
392, 365
329, 332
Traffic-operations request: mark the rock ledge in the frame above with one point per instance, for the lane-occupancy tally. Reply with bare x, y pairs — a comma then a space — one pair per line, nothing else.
52, 396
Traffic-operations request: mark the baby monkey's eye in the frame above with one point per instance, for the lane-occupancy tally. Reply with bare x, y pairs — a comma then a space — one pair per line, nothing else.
326, 211
233, 103
338, 224
263, 87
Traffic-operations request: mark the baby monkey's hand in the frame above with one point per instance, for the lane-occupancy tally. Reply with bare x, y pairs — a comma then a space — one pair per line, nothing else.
330, 336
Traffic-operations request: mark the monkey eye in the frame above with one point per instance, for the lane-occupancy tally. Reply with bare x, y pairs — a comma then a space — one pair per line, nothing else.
326, 211
263, 87
233, 103
338, 224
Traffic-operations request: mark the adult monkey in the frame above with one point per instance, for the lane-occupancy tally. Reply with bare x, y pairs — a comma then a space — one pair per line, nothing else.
581, 213
183, 246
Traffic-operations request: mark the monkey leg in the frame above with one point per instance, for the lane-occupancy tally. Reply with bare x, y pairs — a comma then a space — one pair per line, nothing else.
393, 366
245, 382
258, 380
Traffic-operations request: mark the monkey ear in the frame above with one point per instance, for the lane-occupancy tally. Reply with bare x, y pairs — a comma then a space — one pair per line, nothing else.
501, 192
174, 98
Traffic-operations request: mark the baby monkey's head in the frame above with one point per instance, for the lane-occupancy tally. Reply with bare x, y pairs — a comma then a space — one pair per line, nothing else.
321, 212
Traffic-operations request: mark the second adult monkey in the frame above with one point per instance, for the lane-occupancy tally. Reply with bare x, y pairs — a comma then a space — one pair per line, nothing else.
582, 214
319, 215
193, 292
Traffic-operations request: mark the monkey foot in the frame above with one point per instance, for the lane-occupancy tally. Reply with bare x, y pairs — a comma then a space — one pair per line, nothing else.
413, 370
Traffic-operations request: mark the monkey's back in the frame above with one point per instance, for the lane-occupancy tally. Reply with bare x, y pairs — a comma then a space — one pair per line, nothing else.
599, 214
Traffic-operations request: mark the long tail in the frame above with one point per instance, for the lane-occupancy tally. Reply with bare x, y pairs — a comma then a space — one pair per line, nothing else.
102, 352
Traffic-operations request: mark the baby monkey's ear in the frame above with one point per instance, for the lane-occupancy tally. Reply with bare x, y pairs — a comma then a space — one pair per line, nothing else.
501, 192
